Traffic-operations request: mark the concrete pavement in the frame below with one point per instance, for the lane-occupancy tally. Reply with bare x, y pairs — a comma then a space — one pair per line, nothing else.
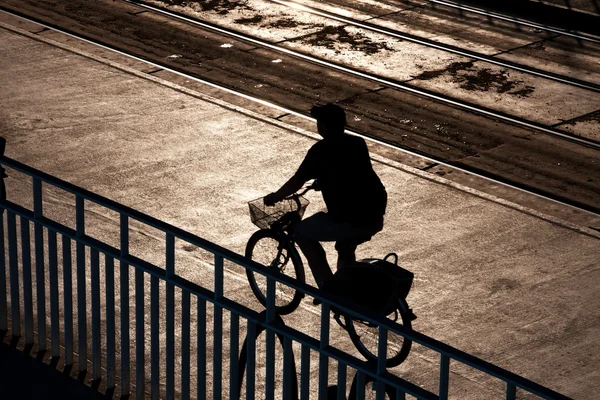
501, 282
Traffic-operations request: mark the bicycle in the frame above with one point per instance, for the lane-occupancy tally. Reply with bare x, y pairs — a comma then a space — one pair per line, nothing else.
273, 245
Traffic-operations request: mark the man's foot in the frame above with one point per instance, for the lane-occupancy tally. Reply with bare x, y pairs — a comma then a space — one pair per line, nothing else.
316, 302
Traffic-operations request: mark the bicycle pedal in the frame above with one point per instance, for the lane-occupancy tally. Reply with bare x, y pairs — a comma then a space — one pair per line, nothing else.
411, 315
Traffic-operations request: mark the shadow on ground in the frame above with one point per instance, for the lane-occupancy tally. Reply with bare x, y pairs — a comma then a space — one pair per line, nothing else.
23, 377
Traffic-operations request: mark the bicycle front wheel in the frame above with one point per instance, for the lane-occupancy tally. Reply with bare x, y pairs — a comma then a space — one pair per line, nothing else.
366, 337
273, 251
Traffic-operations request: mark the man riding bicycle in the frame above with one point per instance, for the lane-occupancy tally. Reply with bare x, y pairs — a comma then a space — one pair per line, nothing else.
355, 197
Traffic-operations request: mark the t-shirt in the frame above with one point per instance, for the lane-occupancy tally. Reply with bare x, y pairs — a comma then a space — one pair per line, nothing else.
351, 189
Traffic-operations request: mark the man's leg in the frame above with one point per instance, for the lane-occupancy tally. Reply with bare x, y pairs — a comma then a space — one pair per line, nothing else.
347, 251
346, 248
308, 233
321, 228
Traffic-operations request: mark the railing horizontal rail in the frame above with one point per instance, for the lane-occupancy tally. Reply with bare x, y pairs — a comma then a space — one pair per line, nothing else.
174, 281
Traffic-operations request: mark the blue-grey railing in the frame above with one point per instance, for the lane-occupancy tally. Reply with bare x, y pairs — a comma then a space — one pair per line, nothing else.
112, 364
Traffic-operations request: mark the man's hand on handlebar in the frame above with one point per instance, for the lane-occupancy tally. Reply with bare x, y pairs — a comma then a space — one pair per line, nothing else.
271, 199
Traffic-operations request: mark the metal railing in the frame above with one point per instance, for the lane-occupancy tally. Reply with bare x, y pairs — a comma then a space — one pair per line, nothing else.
87, 317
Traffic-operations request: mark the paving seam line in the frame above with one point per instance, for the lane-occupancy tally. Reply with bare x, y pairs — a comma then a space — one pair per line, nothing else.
375, 157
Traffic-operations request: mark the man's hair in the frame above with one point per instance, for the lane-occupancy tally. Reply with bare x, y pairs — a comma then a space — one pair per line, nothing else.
330, 114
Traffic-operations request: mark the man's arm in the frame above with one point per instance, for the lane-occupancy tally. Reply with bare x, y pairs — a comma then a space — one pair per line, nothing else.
289, 188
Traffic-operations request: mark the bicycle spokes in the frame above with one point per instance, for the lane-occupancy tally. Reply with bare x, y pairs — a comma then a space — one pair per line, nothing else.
281, 260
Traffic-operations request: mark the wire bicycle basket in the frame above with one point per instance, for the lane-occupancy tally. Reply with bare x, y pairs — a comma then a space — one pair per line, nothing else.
286, 211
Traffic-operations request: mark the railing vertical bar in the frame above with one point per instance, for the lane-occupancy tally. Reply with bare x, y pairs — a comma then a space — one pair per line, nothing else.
96, 329
3, 298
81, 306
154, 338
218, 277
140, 334
109, 265
511, 391
217, 349
27, 281
270, 365
360, 386
234, 349
323, 359
185, 345
271, 314
124, 289
288, 373
218, 327
38, 211
13, 260
444, 376
304, 372
170, 317
251, 360
381, 360
68, 299
270, 341
341, 381
39, 263
201, 349
81, 284
400, 395
54, 306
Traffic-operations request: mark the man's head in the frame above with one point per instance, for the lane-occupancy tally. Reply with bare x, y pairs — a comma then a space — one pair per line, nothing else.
331, 119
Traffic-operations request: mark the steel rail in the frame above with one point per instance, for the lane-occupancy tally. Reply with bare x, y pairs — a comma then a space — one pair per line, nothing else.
515, 20
440, 46
386, 82
471, 171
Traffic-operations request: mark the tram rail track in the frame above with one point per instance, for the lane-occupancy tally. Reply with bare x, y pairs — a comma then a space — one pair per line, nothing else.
522, 22
440, 46
459, 166
375, 78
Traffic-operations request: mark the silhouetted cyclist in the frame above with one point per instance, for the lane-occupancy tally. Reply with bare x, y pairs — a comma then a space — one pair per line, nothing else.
355, 197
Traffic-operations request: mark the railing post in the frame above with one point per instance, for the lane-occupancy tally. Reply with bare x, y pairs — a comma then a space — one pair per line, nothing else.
444, 376
170, 316
290, 382
234, 349
341, 381
324, 343
381, 361
201, 349
250, 360
109, 264
304, 372
81, 283
271, 314
511, 391
68, 299
154, 338
185, 345
3, 300
27, 286
140, 345
360, 386
13, 261
39, 263
218, 326
54, 307
270, 365
96, 329
124, 272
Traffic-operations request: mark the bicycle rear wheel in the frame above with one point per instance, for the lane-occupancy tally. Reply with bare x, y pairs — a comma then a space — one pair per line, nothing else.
366, 338
271, 250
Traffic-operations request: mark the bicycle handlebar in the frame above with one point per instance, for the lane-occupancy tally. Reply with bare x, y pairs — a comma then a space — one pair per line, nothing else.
295, 196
